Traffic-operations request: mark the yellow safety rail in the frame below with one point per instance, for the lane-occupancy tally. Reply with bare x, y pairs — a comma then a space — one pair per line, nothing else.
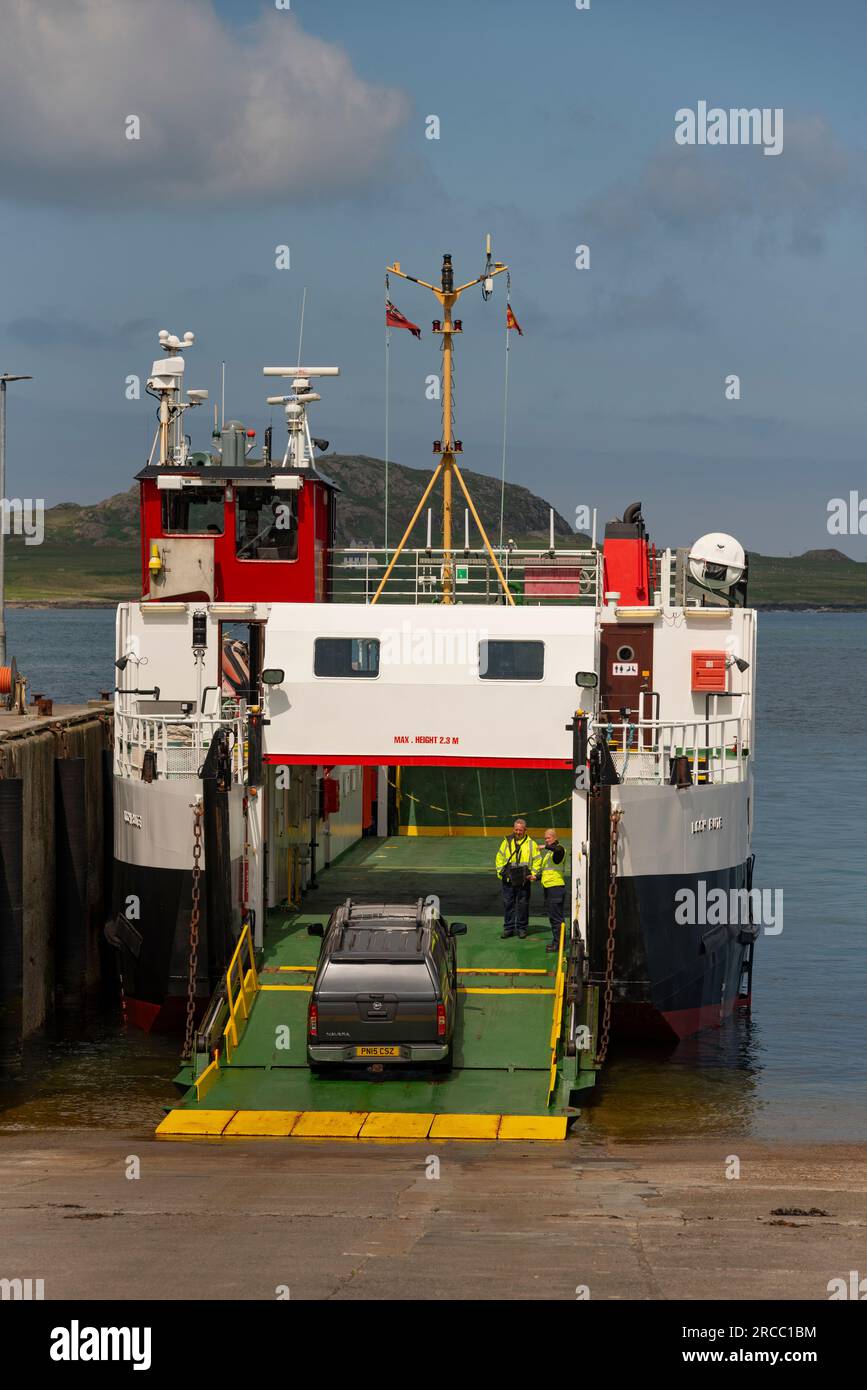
246, 979
556, 1021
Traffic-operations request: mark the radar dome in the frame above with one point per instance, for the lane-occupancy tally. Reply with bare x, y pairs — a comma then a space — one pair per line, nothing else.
717, 561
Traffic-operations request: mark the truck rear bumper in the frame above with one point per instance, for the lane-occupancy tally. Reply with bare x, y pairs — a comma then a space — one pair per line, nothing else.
347, 1054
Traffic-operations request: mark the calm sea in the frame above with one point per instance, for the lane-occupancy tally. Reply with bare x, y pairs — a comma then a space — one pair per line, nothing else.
795, 1070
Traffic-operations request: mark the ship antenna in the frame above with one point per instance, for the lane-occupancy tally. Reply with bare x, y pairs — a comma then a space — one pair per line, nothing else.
301, 328
447, 446
165, 384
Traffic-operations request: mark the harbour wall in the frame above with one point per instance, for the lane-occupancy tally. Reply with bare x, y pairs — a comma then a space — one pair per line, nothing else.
55, 863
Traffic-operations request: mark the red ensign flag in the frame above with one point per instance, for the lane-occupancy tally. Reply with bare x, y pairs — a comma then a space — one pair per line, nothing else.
511, 321
395, 319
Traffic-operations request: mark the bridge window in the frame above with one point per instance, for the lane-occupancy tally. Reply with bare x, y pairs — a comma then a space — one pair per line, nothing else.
508, 660
346, 656
193, 511
266, 526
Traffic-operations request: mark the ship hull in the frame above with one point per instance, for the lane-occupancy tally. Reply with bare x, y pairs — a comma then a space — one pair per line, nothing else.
153, 899
676, 978
683, 928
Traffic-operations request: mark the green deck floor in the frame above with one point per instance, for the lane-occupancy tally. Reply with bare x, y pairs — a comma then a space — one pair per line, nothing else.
502, 1054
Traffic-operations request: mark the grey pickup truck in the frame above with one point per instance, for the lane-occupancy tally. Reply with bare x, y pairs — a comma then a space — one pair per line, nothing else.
385, 988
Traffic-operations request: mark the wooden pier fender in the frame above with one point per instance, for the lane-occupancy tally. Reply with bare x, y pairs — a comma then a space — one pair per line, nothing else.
70, 840
11, 915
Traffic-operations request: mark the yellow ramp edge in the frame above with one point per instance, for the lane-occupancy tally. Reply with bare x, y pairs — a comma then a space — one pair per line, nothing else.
329, 1124
465, 1127
355, 1124
277, 1123
392, 1124
195, 1122
532, 1127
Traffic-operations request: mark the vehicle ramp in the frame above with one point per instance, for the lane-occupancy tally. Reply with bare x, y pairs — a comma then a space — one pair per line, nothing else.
508, 1080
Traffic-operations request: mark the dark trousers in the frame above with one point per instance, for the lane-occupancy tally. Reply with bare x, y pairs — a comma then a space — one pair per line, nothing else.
555, 906
516, 908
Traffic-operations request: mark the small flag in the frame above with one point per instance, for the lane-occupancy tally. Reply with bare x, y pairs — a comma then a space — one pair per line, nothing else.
395, 319
512, 322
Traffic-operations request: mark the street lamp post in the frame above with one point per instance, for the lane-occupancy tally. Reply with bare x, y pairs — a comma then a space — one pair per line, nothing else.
4, 378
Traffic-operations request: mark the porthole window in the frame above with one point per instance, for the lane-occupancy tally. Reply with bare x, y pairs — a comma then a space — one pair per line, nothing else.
625, 653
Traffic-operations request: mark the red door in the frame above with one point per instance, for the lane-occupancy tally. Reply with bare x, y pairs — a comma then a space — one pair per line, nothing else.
627, 669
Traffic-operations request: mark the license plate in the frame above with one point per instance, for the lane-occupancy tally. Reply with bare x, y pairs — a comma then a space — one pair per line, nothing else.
377, 1052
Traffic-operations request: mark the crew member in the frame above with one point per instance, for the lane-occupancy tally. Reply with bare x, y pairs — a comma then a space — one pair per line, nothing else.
517, 866
554, 866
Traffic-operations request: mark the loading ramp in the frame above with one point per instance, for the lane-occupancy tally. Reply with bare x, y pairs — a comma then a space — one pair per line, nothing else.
511, 1076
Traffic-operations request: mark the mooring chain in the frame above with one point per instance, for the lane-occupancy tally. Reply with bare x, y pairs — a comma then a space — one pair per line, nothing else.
608, 996
194, 930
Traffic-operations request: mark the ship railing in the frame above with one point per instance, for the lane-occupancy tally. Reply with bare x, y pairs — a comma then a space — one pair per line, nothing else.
179, 743
533, 576
717, 750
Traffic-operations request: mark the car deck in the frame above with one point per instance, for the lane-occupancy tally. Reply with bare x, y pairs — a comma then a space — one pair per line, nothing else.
502, 1051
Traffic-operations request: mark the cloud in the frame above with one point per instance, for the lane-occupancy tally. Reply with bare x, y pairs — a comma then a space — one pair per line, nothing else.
714, 191
47, 330
732, 420
665, 306
225, 114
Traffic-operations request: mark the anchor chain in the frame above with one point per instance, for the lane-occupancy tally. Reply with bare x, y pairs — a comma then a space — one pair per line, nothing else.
195, 913
608, 997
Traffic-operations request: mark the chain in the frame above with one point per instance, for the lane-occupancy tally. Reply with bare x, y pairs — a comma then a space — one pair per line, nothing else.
194, 931
608, 996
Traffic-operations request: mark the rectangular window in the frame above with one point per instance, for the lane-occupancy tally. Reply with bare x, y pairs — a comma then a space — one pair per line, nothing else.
508, 660
193, 511
266, 524
346, 656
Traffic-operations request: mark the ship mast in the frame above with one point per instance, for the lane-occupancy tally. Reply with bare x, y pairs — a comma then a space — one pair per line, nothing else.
448, 445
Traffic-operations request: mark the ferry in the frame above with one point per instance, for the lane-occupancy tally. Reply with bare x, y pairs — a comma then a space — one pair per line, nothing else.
298, 724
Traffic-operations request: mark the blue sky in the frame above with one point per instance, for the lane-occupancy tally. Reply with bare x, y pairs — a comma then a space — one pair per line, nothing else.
557, 128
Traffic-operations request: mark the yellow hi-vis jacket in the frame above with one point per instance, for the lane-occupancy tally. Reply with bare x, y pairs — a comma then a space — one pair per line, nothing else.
553, 874
514, 851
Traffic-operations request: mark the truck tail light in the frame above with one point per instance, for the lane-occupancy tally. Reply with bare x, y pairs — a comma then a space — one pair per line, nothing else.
441, 1020
313, 1022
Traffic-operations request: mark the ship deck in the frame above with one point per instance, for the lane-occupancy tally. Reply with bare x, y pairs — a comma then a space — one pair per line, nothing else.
499, 1085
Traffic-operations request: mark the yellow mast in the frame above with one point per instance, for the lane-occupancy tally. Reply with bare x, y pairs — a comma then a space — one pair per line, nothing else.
448, 297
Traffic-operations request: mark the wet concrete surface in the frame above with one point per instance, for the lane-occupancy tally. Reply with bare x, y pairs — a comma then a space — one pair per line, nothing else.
253, 1219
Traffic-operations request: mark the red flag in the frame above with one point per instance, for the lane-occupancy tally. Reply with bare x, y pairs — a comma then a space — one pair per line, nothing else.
395, 319
512, 322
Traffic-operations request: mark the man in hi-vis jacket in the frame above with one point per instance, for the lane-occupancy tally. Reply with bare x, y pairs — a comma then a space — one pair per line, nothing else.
553, 867
517, 865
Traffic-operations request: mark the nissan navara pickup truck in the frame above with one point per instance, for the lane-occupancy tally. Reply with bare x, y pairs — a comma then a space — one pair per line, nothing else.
385, 989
